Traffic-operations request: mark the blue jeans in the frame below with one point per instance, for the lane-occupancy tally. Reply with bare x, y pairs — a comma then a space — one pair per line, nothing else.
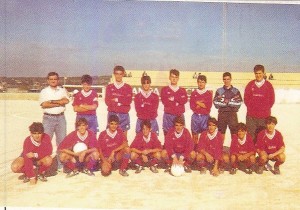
55, 125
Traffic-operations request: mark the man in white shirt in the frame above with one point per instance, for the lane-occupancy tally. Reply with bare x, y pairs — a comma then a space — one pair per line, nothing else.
53, 99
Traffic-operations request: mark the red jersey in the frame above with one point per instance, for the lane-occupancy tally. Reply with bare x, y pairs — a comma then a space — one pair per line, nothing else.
259, 100
241, 146
146, 105
204, 96
269, 143
174, 100
179, 143
107, 141
87, 98
42, 149
71, 139
213, 144
118, 97
141, 144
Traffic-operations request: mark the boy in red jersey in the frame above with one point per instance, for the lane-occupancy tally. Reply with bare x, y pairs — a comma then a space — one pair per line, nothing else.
37, 150
146, 148
270, 146
242, 150
209, 149
146, 105
113, 148
200, 103
179, 146
259, 98
174, 99
86, 102
118, 97
85, 160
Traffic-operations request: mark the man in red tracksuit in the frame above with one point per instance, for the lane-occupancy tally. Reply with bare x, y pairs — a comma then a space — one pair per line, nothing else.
259, 97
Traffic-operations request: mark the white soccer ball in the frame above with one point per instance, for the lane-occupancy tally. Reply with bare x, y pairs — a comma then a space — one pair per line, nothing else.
79, 147
177, 170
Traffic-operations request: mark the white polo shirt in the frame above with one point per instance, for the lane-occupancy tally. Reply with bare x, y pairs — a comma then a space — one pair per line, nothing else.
48, 94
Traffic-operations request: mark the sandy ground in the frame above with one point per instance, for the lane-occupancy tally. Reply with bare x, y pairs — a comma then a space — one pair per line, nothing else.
147, 190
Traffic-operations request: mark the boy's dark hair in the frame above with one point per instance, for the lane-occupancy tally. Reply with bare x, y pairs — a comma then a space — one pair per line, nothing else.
81, 121
226, 74
113, 118
52, 73
146, 123
202, 77
271, 119
212, 120
259, 68
145, 78
86, 79
36, 127
179, 119
175, 72
241, 126
119, 68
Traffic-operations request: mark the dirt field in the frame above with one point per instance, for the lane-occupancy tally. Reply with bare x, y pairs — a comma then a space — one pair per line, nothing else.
147, 190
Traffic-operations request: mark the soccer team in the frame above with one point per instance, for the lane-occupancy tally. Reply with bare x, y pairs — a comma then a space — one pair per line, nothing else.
252, 144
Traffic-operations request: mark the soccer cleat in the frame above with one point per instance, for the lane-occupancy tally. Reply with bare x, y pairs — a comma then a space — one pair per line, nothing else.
187, 169
26, 179
221, 170
123, 172
248, 171
88, 172
276, 171
21, 177
233, 171
260, 170
202, 170
42, 178
268, 167
153, 169
167, 170
72, 173
138, 169
51, 173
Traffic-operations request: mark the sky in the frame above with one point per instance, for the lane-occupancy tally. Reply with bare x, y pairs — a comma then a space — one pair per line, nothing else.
75, 37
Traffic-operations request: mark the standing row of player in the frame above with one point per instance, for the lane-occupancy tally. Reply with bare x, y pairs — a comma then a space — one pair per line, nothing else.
259, 98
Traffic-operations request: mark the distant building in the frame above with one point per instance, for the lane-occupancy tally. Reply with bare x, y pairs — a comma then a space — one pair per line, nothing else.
35, 88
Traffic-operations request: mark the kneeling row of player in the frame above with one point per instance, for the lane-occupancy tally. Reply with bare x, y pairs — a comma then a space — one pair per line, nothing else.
113, 151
